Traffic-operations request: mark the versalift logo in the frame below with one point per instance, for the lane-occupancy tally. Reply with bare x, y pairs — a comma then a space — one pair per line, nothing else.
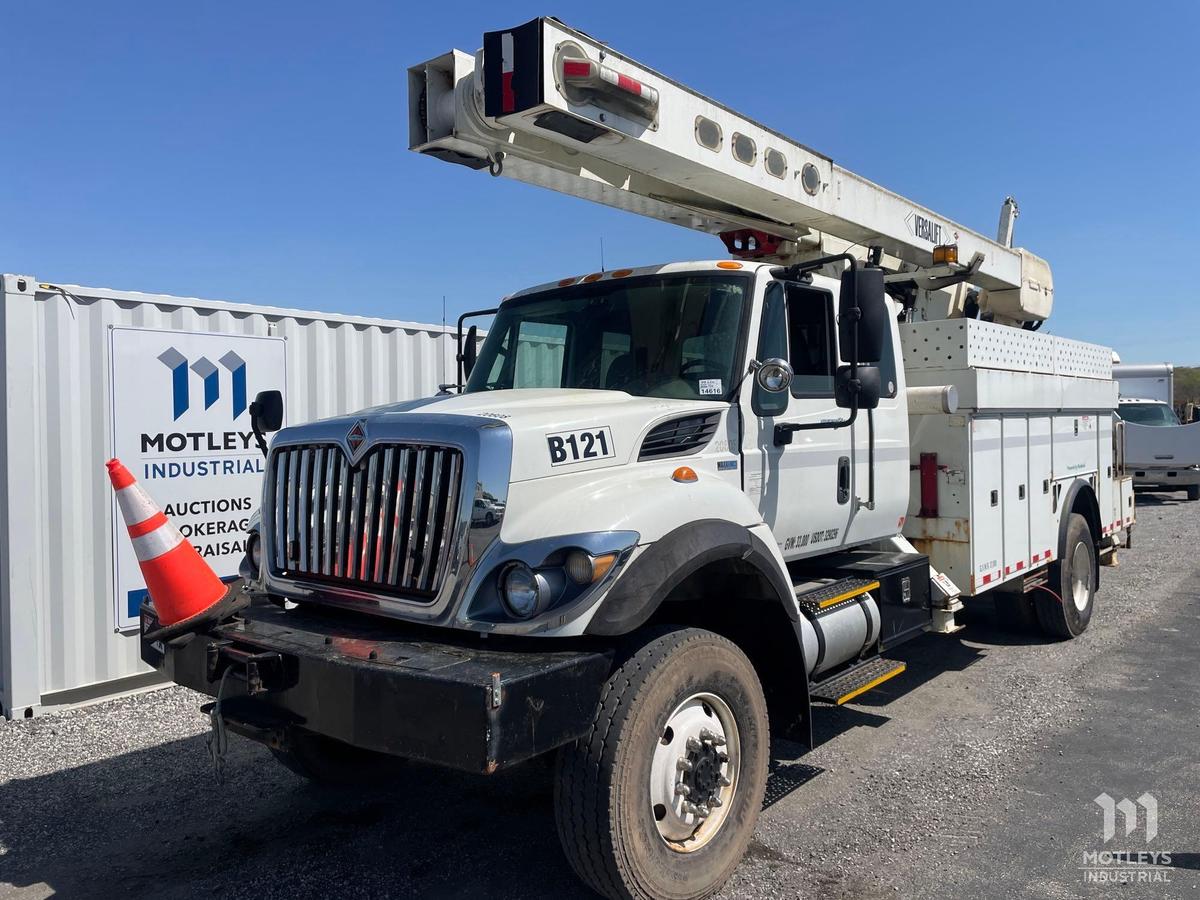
196, 388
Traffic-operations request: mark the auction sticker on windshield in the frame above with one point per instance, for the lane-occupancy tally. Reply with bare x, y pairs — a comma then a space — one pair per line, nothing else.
580, 446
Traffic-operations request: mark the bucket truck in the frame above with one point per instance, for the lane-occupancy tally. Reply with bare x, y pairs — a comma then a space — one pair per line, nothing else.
675, 507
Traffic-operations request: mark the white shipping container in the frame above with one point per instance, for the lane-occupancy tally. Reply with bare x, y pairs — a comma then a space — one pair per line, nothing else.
59, 637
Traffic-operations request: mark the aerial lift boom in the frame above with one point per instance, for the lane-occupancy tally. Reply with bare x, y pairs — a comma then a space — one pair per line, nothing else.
551, 106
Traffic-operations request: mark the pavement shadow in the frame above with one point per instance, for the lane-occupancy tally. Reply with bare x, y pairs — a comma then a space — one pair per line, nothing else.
1153, 498
154, 822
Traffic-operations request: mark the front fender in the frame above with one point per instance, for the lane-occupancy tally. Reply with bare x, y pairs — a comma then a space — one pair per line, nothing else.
663, 566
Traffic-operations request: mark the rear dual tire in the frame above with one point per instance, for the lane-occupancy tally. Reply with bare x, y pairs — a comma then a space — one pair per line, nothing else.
622, 826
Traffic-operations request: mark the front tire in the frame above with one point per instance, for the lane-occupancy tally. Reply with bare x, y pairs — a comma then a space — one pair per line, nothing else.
1066, 609
1193, 492
661, 798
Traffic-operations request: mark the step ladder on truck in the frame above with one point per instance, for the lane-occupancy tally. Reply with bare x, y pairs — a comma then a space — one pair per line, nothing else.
684, 503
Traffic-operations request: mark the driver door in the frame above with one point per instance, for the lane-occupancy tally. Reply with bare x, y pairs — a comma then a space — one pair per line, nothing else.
804, 489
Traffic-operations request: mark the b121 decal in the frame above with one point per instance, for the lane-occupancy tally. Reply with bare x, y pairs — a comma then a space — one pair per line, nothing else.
580, 446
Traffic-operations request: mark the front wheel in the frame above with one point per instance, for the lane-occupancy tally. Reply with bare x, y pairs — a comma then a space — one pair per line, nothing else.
661, 798
1066, 609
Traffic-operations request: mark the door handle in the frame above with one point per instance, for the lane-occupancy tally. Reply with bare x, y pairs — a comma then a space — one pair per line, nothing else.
843, 483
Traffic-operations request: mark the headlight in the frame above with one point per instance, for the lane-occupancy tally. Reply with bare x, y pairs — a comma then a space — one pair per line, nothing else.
523, 590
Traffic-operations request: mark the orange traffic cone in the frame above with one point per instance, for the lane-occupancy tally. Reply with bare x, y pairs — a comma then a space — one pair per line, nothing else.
184, 591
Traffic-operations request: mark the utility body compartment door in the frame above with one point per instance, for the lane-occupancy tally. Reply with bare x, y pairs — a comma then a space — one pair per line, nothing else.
1043, 523
1014, 499
987, 517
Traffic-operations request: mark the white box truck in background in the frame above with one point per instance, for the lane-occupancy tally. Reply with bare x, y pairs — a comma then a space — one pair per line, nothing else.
741, 484
1161, 453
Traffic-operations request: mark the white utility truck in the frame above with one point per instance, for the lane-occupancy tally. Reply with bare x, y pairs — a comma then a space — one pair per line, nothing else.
667, 504
1161, 453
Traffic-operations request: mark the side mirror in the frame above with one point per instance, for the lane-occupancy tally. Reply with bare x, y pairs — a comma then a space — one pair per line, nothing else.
865, 284
773, 375
266, 412
470, 350
864, 395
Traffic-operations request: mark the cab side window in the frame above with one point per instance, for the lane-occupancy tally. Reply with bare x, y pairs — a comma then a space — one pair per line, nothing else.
811, 342
887, 366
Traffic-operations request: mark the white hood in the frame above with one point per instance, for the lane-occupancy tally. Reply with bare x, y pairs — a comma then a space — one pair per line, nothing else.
535, 416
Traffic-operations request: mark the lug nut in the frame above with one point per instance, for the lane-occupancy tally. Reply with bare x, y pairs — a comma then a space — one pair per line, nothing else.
724, 781
716, 801
683, 790
684, 765
693, 745
702, 811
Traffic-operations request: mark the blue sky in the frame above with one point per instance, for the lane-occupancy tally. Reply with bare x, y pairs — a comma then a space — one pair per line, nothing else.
257, 151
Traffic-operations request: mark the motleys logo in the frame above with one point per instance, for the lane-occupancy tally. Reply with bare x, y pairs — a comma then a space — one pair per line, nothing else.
210, 380
1129, 812
1127, 866
233, 441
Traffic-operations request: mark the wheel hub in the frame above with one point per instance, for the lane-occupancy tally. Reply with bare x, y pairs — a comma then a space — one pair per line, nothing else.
694, 772
1081, 576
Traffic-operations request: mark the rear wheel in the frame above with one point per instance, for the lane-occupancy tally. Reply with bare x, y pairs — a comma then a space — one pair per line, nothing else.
1193, 492
1066, 608
661, 798
326, 761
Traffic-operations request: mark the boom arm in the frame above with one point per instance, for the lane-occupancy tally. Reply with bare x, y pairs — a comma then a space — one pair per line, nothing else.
550, 106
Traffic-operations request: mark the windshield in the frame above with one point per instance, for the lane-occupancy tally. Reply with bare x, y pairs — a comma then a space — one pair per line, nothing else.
1148, 414
671, 336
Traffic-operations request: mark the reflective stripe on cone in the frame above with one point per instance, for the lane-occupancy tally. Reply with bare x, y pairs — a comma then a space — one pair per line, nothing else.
181, 584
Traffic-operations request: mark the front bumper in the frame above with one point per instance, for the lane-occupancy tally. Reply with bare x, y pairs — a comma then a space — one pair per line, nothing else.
448, 699
1163, 477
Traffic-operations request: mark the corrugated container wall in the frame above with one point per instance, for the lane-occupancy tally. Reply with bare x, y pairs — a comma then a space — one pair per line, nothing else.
57, 638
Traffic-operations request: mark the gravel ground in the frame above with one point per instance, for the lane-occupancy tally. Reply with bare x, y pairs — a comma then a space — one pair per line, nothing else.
971, 775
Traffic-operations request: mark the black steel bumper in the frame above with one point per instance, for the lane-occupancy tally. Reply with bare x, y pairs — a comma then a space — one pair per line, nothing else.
458, 703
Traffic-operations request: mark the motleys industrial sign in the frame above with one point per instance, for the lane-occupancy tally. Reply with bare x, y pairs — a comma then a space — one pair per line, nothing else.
181, 424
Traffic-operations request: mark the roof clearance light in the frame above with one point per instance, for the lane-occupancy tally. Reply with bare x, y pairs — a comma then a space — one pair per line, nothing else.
595, 276
567, 282
621, 273
945, 254
587, 81
728, 264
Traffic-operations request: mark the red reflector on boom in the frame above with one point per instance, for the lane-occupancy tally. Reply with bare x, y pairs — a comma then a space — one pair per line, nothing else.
587, 81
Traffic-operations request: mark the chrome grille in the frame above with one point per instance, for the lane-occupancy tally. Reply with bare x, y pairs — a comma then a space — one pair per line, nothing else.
385, 524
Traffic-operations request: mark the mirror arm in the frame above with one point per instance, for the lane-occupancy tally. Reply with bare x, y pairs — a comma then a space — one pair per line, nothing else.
259, 438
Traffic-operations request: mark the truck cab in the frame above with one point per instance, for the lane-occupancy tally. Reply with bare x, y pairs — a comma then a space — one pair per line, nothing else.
603, 414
